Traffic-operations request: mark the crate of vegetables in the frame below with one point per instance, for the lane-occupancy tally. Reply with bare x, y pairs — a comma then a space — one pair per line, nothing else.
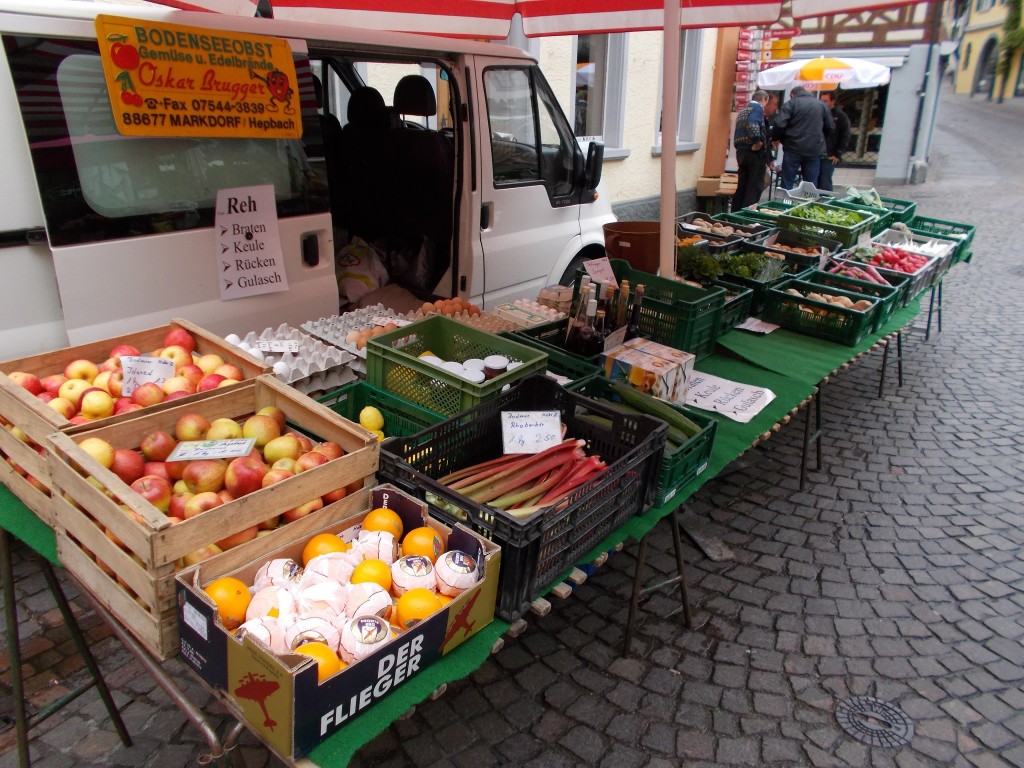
834, 314
746, 264
544, 509
961, 234
884, 217
869, 283
397, 417
829, 221
46, 393
902, 210
129, 513
689, 439
730, 231
800, 247
860, 271
673, 313
423, 363
737, 305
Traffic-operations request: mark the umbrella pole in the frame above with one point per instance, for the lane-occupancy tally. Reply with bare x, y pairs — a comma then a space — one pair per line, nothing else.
669, 121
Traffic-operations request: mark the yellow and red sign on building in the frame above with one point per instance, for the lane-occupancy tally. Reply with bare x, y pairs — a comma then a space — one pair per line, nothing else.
171, 80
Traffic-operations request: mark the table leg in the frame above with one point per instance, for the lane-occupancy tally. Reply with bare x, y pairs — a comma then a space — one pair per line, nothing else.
14, 649
634, 598
885, 364
170, 687
899, 357
811, 437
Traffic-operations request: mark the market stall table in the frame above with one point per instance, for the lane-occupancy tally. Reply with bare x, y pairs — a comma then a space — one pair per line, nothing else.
790, 365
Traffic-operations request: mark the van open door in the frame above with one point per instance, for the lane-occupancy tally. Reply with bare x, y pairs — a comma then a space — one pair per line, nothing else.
130, 220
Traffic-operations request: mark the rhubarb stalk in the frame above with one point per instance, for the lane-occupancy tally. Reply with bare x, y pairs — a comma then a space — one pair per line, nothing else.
510, 479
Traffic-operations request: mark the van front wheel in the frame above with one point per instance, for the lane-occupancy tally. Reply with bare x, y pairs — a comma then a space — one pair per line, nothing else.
569, 276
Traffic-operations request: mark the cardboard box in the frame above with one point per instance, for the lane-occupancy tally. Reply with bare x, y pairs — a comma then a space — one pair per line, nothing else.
126, 551
279, 697
652, 368
707, 186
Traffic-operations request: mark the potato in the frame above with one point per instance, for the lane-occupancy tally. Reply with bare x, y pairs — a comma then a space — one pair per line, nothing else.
863, 305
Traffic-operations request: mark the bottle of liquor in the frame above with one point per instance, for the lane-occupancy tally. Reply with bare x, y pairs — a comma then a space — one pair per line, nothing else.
633, 329
622, 307
579, 312
587, 340
601, 325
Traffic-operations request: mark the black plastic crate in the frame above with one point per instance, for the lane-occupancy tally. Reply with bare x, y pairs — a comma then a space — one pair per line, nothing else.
536, 551
788, 237
747, 230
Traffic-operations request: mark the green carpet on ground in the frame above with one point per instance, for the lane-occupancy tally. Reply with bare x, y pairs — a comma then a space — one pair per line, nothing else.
804, 357
20, 522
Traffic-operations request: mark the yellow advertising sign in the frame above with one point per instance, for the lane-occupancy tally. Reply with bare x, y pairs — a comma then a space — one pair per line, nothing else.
171, 80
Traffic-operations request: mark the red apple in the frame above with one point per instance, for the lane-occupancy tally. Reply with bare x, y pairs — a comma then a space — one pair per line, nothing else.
276, 476
177, 355
283, 447
124, 405
192, 372
228, 383
330, 449
178, 384
73, 389
156, 490
111, 364
209, 381
110, 382
158, 468
148, 393
52, 383
304, 442
310, 460
157, 446
191, 426
209, 363
302, 510
128, 465
225, 497
176, 396
96, 404
270, 523
229, 371
124, 350
241, 537
176, 469
179, 337
99, 449
205, 475
78, 419
200, 503
244, 475
335, 495
354, 486
203, 553
288, 464
45, 396
277, 413
177, 505
262, 428
28, 381
83, 369
63, 406
224, 429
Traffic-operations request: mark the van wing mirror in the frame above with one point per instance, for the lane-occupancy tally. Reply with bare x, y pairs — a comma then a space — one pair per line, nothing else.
592, 169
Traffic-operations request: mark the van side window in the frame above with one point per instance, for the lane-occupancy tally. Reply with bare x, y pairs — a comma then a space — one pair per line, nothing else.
97, 184
530, 138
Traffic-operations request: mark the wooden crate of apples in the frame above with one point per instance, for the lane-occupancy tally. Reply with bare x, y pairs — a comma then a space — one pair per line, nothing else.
58, 390
127, 518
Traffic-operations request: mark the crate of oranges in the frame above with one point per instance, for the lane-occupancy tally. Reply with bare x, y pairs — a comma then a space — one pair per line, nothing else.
303, 638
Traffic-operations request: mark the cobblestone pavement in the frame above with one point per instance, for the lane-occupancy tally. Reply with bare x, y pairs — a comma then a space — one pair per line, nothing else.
897, 574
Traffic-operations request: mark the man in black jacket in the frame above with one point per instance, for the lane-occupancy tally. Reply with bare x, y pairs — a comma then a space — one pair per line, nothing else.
802, 125
836, 142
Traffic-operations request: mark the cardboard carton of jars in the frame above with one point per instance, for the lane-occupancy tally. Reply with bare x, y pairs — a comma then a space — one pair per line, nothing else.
285, 696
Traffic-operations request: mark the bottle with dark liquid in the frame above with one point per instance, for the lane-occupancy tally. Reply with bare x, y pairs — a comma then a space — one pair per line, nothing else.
587, 339
633, 328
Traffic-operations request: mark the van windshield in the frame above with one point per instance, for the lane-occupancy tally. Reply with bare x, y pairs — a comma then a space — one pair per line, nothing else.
97, 184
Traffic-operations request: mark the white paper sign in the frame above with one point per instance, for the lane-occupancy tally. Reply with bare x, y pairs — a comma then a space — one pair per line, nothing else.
739, 402
615, 338
530, 431
138, 370
401, 322
754, 325
191, 450
249, 256
600, 271
278, 345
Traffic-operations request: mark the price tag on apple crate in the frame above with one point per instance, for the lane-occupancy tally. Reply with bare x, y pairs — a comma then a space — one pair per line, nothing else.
139, 370
530, 431
191, 450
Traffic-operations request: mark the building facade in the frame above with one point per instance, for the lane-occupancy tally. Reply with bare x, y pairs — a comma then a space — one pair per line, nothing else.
983, 66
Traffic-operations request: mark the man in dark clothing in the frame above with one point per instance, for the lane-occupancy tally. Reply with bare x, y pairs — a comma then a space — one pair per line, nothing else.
836, 142
802, 125
752, 151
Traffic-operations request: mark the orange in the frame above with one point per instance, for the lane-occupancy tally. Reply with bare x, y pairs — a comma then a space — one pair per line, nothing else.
423, 541
232, 599
322, 544
444, 599
382, 519
327, 661
373, 570
414, 606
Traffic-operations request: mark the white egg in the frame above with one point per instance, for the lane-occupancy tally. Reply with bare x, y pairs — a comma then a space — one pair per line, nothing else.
282, 369
232, 339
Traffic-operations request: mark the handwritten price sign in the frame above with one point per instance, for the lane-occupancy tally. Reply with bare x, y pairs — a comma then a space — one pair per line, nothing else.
530, 431
190, 450
138, 370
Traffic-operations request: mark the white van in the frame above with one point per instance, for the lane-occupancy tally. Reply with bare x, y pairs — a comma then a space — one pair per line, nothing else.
468, 174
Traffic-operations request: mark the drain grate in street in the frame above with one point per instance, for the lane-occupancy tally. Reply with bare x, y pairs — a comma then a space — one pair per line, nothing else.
874, 722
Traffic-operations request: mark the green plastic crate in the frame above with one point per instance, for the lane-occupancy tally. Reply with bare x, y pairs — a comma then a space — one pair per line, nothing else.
838, 324
736, 309
847, 235
902, 210
963, 234
673, 313
393, 363
884, 217
679, 466
401, 418
889, 296
767, 212
758, 287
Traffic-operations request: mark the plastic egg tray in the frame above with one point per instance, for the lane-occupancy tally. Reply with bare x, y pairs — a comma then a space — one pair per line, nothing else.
299, 360
336, 330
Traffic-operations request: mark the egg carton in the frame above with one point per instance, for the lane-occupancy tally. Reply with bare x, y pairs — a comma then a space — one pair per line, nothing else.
299, 360
336, 330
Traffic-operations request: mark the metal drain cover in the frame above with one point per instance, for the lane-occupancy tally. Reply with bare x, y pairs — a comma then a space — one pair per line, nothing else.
875, 722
